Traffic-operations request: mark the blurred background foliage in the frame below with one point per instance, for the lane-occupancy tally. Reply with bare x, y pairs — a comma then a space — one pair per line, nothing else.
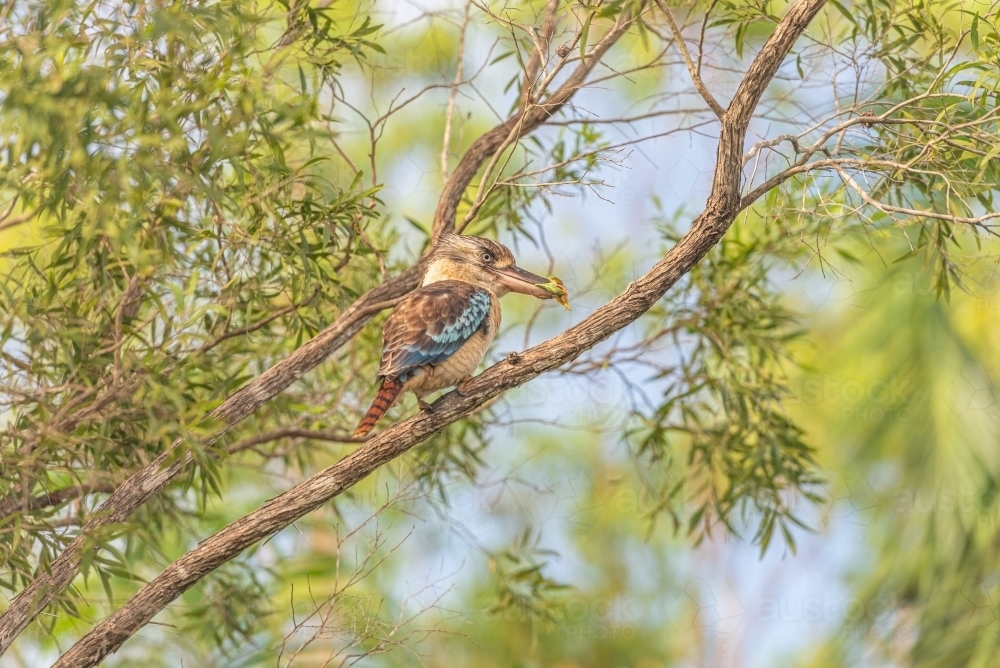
791, 459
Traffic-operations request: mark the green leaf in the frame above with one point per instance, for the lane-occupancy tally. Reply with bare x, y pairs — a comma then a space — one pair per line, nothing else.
843, 10
990, 155
417, 225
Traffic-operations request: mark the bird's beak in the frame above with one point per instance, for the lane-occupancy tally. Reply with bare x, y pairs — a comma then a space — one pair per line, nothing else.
516, 279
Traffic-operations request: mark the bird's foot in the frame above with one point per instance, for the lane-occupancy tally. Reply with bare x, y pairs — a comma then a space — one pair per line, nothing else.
424, 406
460, 388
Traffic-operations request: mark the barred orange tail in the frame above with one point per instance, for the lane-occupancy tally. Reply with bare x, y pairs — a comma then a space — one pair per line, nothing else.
383, 400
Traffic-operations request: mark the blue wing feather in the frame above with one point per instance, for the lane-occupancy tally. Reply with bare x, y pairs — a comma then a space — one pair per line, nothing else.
430, 326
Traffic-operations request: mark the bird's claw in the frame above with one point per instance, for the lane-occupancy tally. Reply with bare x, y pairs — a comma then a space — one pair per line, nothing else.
424, 406
460, 388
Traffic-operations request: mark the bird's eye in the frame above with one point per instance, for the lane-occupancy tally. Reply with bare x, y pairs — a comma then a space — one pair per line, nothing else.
487, 257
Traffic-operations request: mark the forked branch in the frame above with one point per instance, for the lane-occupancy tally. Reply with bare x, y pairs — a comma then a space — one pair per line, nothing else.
157, 474
706, 231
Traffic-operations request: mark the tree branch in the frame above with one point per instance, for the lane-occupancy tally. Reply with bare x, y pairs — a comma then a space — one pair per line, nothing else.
538, 54
6, 222
155, 475
706, 231
292, 432
523, 122
12, 504
249, 329
453, 93
695, 71
102, 485
979, 221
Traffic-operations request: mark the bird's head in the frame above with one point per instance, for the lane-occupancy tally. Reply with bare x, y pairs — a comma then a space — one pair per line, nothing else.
484, 263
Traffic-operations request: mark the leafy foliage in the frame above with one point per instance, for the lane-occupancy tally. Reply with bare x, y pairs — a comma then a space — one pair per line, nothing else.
191, 231
724, 395
189, 178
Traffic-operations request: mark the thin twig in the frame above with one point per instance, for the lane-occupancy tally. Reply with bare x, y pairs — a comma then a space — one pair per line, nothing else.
693, 70
642, 294
450, 110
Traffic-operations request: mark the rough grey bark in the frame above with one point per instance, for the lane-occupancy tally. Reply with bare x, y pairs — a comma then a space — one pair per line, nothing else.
707, 230
155, 475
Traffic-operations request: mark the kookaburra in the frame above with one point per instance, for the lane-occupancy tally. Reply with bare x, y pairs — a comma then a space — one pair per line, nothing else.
437, 336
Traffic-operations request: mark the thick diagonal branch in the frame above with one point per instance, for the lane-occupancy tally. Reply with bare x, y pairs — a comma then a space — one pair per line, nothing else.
706, 231
155, 475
